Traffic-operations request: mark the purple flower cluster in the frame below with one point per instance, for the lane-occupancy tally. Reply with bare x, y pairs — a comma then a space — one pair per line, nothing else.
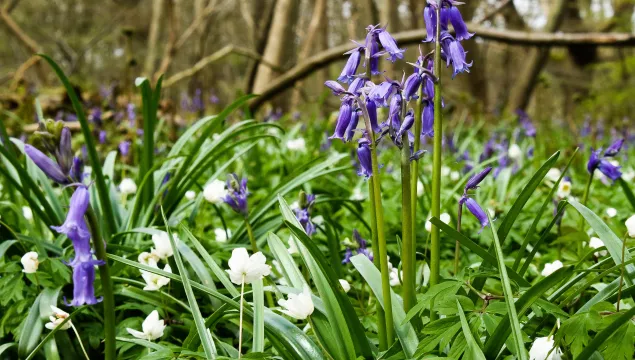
361, 246
237, 194
470, 203
66, 168
303, 212
83, 263
452, 50
601, 163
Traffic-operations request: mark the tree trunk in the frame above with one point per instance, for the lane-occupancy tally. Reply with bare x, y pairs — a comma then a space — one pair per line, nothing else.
535, 61
262, 30
153, 36
279, 43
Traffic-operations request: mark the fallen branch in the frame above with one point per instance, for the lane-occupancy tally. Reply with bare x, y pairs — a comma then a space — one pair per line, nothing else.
216, 56
512, 37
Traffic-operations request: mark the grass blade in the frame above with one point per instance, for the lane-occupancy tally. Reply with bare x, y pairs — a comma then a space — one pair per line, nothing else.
627, 192
509, 296
203, 333
259, 317
475, 351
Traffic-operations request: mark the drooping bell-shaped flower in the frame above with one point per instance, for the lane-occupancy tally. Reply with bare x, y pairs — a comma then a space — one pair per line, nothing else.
352, 125
237, 193
75, 226
430, 19
407, 123
458, 24
427, 119
477, 211
596, 162
46, 164
475, 180
356, 85
372, 114
390, 45
411, 86
380, 93
394, 114
364, 157
454, 54
64, 153
335, 87
350, 69
343, 119
614, 149
303, 212
83, 279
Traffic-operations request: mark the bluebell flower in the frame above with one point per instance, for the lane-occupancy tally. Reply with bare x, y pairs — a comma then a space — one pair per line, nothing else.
130, 111
83, 279
408, 121
604, 166
352, 125
343, 119
303, 213
475, 180
372, 114
458, 24
361, 246
427, 119
390, 45
335, 87
476, 210
102, 136
77, 170
356, 85
348, 254
124, 147
237, 194
394, 114
363, 155
412, 85
382, 92
350, 69
95, 115
614, 148
64, 152
455, 54
46, 164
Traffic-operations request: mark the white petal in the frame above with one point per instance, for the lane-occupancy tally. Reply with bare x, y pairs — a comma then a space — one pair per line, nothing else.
136, 333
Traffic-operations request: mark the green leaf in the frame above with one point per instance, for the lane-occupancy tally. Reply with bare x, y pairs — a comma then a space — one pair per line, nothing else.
199, 268
340, 312
495, 342
509, 296
5, 245
31, 330
203, 332
289, 270
611, 241
627, 192
100, 181
259, 317
404, 330
473, 350
621, 335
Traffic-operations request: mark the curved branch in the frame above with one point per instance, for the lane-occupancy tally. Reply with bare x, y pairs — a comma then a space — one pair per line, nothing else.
513, 37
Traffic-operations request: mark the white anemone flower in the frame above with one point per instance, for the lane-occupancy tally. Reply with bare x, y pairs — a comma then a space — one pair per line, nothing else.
298, 306
541, 350
57, 318
245, 269
550, 268
152, 328
127, 186
162, 247
215, 191
30, 262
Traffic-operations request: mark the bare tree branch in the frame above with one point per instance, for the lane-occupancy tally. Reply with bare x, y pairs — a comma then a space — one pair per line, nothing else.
521, 38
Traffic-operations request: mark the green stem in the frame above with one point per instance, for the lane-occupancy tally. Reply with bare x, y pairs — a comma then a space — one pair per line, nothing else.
106, 285
250, 233
457, 246
435, 241
79, 339
381, 236
240, 325
318, 338
619, 291
408, 257
381, 316
587, 190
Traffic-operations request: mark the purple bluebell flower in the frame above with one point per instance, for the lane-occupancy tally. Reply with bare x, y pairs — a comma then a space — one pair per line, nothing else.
348, 254
130, 111
124, 147
458, 24
372, 115
411, 86
394, 116
350, 69
488, 149
352, 125
475, 180
614, 149
363, 155
237, 194
430, 18
75, 226
586, 127
356, 85
408, 121
303, 213
102, 136
71, 118
197, 101
95, 115
213, 99
46, 164
343, 119
374, 59
380, 93
530, 152
427, 119
604, 166
335, 87
476, 210
64, 151
77, 170
83, 279
525, 122
390, 45
454, 54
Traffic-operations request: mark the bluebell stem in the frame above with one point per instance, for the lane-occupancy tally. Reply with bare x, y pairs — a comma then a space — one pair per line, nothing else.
350, 69
46, 164
237, 193
352, 125
343, 119
364, 157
